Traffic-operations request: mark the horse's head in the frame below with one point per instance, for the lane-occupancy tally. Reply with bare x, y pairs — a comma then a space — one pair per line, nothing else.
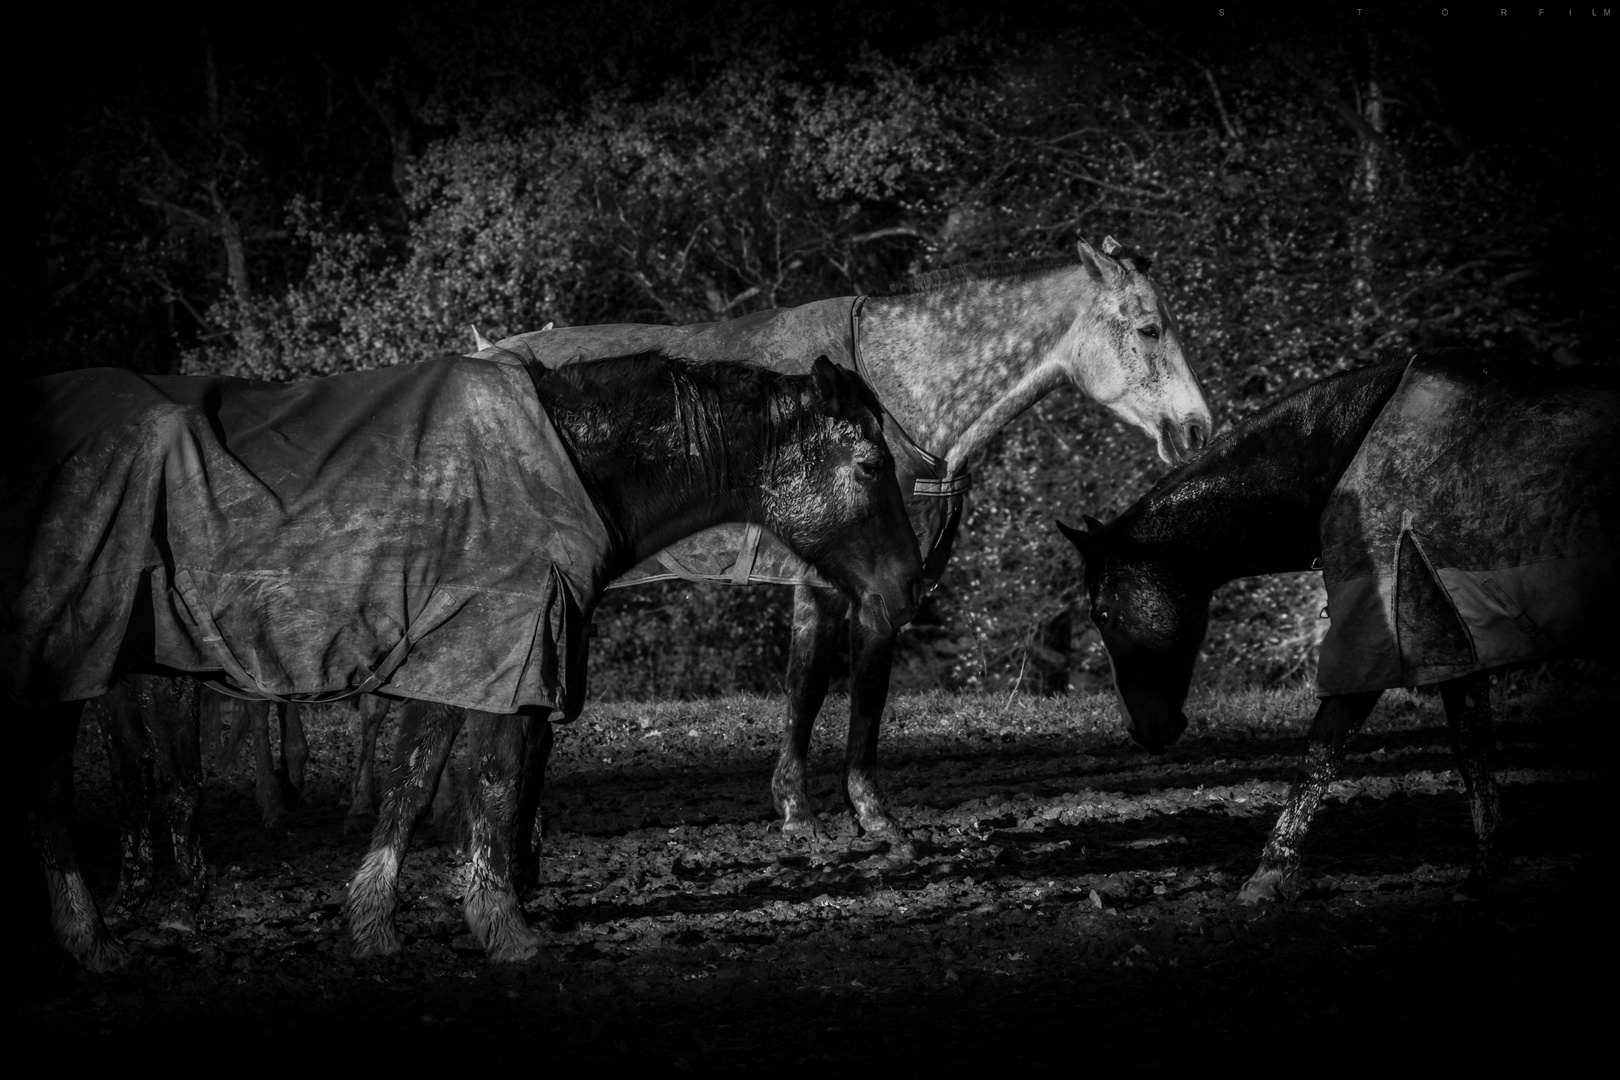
1124, 350
1152, 619
832, 497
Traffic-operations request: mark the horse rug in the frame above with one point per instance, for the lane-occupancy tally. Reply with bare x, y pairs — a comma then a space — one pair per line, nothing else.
418, 529
786, 340
1475, 527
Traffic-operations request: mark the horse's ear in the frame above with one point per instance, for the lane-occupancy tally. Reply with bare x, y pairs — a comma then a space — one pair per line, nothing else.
481, 342
829, 386
1080, 538
548, 326
1092, 524
1128, 256
844, 391
1092, 262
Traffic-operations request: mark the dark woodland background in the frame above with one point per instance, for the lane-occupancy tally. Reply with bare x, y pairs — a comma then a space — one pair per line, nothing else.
310, 192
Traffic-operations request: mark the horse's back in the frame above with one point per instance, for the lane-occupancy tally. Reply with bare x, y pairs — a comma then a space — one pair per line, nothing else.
289, 535
783, 339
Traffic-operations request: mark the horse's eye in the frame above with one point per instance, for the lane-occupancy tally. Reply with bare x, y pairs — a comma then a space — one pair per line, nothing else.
872, 468
1150, 332
1099, 616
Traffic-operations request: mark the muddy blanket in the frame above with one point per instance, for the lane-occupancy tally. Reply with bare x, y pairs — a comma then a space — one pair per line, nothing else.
783, 339
417, 528
1478, 526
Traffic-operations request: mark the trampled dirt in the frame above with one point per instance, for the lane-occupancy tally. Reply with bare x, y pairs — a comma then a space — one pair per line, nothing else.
1074, 905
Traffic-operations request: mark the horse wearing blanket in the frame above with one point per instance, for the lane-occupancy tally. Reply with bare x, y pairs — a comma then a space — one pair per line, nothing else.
425, 531
1463, 511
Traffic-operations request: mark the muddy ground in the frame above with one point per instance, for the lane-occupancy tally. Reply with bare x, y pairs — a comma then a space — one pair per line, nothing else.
1074, 905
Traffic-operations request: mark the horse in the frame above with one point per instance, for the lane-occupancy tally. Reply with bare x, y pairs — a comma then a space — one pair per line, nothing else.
809, 490
954, 356
1461, 508
421, 531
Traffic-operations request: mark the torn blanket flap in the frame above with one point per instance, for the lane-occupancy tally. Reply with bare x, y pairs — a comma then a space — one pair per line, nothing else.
1477, 526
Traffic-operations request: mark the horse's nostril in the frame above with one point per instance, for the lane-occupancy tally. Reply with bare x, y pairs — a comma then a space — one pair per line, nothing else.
1195, 437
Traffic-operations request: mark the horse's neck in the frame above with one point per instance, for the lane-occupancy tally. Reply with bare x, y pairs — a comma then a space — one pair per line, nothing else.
652, 491
1254, 502
956, 365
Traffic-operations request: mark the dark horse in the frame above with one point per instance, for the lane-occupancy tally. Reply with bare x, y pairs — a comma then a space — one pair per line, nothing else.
954, 356
662, 454
1463, 513
423, 531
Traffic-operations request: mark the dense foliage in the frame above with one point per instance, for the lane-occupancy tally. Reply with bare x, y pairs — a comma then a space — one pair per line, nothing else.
1314, 193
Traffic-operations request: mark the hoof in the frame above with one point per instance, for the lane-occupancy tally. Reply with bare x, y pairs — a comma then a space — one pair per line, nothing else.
106, 956
515, 948
894, 855
805, 826
379, 943
1266, 886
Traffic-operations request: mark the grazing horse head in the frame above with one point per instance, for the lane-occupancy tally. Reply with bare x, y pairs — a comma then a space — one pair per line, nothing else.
802, 455
1152, 618
1125, 352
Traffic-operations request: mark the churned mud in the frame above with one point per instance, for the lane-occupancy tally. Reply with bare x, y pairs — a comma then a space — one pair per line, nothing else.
1074, 905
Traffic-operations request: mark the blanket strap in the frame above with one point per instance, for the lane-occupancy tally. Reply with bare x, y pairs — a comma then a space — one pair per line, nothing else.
241, 684
932, 479
744, 566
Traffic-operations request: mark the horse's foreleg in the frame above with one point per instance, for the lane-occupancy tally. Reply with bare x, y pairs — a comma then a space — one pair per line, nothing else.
817, 615
526, 868
129, 759
1337, 718
1468, 712
870, 658
363, 795
266, 781
499, 747
174, 719
294, 753
47, 737
426, 734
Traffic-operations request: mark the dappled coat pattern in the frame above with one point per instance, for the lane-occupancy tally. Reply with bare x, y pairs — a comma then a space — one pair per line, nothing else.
783, 339
419, 528
1478, 525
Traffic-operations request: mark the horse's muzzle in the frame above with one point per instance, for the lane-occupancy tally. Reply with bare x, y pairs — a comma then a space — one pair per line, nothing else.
1181, 441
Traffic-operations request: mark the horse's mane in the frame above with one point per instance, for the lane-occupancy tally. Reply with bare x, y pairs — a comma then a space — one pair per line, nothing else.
1290, 405
937, 280
700, 403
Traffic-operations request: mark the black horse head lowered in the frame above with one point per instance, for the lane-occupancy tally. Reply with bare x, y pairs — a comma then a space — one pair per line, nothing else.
1250, 505
668, 447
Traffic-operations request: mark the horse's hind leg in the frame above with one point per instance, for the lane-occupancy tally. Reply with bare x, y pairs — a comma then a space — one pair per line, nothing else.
174, 717
426, 734
129, 759
526, 868
817, 616
870, 658
47, 735
1337, 718
363, 795
1468, 712
294, 753
266, 780
502, 749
